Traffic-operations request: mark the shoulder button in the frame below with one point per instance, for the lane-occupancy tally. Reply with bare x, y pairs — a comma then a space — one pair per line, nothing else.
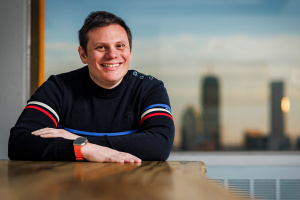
150, 77
141, 77
135, 73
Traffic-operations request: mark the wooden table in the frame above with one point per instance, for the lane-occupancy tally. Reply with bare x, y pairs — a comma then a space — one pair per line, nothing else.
88, 180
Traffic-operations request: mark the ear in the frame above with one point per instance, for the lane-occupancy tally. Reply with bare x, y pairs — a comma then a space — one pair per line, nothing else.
82, 55
131, 53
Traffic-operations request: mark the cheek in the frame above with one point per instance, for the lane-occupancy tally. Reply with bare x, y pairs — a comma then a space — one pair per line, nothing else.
127, 56
94, 57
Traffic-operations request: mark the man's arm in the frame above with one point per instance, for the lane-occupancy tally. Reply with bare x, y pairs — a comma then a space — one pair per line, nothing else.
41, 112
36, 137
90, 151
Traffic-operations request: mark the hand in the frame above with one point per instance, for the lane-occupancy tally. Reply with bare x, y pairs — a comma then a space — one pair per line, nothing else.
54, 133
96, 153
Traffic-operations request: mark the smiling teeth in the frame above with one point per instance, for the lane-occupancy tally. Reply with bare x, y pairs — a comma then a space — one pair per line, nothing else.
107, 65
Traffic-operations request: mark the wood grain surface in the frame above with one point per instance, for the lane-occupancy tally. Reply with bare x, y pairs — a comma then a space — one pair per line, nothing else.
88, 180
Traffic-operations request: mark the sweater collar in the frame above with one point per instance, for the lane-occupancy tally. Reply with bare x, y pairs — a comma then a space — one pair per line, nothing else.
97, 90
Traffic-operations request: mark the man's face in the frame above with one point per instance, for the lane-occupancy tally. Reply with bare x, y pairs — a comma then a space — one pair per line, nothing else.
108, 55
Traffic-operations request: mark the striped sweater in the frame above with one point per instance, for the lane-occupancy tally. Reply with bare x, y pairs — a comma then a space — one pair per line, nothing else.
134, 117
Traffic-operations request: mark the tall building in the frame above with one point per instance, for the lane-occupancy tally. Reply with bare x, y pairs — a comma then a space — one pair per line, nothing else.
277, 138
211, 109
277, 121
189, 129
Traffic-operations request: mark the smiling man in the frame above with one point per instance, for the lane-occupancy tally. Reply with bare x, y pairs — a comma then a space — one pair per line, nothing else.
108, 54
102, 112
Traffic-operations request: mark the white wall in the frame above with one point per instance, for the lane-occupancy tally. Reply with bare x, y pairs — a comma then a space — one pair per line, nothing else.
14, 66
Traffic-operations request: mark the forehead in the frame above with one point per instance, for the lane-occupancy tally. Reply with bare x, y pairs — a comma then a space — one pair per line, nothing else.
110, 33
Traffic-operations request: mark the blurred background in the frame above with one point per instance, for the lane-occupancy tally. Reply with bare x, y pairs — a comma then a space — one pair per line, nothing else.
231, 68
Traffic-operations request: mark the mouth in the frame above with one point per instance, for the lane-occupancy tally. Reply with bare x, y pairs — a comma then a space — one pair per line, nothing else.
111, 65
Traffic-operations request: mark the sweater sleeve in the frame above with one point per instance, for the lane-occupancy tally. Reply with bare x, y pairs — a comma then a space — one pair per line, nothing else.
42, 111
155, 139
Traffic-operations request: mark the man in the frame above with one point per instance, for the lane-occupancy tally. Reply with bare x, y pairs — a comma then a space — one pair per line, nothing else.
102, 112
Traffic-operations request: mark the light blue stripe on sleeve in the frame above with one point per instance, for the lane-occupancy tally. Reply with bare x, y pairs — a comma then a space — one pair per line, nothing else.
158, 105
98, 134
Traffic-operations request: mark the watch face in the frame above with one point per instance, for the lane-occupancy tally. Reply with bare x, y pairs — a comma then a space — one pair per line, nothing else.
80, 141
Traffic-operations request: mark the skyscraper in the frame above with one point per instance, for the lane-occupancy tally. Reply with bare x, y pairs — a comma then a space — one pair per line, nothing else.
277, 138
211, 109
188, 129
277, 121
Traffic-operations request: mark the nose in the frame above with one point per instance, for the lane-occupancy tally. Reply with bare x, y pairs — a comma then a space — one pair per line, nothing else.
111, 53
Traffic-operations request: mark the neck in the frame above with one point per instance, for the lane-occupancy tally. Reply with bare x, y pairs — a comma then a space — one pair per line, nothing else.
110, 85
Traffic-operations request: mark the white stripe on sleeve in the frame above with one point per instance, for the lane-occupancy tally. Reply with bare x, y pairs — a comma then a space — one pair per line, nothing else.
153, 110
46, 106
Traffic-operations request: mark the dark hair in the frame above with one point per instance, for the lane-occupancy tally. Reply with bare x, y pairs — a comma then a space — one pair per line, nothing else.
100, 19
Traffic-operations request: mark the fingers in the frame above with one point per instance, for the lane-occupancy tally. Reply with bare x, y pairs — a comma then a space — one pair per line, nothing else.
97, 153
130, 158
54, 133
123, 157
45, 132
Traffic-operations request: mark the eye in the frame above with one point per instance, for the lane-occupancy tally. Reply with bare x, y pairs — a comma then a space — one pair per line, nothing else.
100, 47
120, 46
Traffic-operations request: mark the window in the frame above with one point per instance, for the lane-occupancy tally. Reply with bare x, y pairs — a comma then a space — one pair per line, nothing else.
231, 68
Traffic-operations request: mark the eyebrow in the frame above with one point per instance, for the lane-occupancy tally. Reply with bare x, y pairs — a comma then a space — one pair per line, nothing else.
103, 43
98, 43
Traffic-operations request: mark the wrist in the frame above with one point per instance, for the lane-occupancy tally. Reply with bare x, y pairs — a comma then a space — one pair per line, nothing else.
78, 144
84, 150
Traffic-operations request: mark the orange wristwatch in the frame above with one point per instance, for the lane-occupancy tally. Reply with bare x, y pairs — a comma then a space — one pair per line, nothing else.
78, 143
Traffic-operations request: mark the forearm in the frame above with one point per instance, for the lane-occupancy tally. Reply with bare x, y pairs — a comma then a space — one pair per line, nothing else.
90, 151
154, 144
155, 147
25, 146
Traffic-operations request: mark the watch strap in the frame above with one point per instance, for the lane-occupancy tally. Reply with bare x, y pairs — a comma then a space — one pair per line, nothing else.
78, 143
78, 154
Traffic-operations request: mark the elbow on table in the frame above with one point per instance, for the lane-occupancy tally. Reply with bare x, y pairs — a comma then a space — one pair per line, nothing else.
157, 156
16, 148
13, 153
159, 152
14, 145
162, 156
163, 149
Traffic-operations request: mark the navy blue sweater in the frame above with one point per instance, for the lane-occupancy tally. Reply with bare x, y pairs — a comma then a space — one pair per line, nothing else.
134, 117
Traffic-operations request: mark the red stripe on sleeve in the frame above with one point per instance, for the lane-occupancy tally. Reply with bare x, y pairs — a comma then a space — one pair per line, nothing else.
44, 111
155, 114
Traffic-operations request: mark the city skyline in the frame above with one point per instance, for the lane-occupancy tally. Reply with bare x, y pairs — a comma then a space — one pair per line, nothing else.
200, 130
